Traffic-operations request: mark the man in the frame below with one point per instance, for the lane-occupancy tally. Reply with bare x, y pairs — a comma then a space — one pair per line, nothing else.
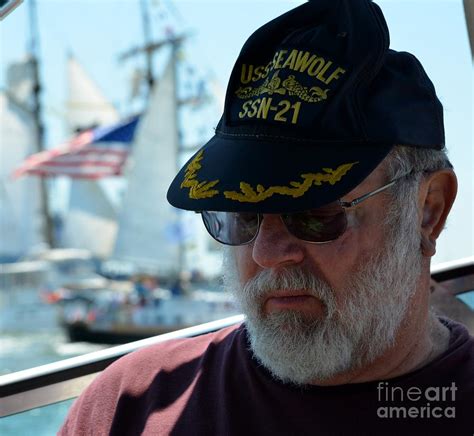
328, 178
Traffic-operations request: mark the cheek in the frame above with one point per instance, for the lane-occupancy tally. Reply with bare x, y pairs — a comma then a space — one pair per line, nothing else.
365, 233
246, 267
362, 243
339, 260
345, 249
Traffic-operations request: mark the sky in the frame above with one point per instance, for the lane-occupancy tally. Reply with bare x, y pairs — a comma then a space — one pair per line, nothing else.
97, 32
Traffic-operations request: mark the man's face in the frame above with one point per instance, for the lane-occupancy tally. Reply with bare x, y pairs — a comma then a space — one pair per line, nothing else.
314, 311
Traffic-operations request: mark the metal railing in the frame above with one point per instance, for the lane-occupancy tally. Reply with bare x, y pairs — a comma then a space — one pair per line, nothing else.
65, 379
48, 384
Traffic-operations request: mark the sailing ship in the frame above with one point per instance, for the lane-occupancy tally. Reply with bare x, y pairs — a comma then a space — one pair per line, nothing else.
126, 235
149, 243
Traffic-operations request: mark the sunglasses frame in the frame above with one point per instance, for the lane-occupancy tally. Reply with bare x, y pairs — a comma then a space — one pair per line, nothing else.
343, 204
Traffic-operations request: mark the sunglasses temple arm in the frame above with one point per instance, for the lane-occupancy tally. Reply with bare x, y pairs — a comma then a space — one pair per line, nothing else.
366, 196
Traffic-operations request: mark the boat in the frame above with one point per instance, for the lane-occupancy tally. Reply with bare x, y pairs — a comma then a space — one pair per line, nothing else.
109, 316
26, 285
156, 242
99, 223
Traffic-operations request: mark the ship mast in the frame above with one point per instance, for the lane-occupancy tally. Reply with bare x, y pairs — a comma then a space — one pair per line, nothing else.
150, 79
469, 12
149, 48
36, 112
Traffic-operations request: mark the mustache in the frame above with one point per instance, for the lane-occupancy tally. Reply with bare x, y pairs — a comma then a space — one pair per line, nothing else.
290, 279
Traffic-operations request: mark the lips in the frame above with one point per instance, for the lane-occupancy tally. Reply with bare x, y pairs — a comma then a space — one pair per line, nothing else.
287, 294
292, 301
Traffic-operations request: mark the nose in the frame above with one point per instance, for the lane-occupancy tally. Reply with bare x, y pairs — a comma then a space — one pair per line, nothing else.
274, 246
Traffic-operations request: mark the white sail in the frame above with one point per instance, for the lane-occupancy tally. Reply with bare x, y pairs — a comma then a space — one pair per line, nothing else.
20, 81
21, 220
91, 220
149, 233
86, 103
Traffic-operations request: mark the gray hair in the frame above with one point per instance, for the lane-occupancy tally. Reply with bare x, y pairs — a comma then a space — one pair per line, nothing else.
417, 161
405, 159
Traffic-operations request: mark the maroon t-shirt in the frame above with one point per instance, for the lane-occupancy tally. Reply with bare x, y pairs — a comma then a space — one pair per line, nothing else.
212, 385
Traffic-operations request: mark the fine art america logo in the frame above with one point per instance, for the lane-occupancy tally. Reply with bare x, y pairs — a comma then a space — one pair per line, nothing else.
415, 402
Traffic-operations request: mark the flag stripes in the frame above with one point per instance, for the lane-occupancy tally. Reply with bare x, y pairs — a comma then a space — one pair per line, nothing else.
95, 153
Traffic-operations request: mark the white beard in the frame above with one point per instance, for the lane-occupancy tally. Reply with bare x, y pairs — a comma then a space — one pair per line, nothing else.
298, 349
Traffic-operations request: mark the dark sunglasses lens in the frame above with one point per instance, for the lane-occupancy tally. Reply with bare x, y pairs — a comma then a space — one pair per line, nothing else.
324, 224
231, 228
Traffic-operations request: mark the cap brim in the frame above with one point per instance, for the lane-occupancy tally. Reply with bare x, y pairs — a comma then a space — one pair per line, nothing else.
268, 176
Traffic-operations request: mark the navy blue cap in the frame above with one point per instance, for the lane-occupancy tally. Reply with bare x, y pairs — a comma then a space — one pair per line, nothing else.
315, 102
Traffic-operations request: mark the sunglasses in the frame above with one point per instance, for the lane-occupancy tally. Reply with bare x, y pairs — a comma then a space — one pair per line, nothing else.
317, 226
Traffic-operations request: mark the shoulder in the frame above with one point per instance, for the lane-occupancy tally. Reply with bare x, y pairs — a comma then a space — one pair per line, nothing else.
166, 367
457, 362
170, 354
460, 338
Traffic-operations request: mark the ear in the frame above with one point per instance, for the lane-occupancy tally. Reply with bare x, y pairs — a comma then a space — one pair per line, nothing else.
436, 197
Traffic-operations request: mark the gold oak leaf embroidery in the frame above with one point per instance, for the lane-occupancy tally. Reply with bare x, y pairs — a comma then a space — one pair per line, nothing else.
297, 189
198, 189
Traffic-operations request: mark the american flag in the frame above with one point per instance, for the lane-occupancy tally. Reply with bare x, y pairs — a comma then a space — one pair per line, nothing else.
94, 153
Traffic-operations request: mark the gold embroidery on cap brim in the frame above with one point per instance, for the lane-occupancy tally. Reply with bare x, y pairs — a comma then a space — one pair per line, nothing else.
197, 189
250, 195
290, 84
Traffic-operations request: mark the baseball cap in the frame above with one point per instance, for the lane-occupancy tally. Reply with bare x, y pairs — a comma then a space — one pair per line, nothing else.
315, 101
